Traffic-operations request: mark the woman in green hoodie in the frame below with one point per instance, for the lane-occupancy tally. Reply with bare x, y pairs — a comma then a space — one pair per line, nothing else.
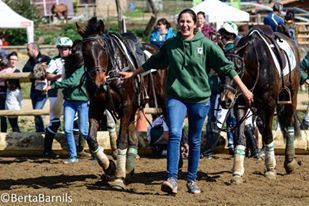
188, 57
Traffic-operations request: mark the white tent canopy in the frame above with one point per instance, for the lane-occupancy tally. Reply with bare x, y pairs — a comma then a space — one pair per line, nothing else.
10, 19
219, 12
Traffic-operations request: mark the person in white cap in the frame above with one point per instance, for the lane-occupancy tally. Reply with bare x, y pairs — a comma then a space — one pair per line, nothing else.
55, 72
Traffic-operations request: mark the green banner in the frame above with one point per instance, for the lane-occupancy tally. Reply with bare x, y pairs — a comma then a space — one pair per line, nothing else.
235, 3
196, 2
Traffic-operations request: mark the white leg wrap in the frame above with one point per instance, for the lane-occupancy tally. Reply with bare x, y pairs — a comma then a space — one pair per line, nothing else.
102, 158
270, 160
239, 157
121, 163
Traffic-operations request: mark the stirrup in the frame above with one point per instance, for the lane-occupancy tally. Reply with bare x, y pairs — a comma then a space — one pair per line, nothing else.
284, 96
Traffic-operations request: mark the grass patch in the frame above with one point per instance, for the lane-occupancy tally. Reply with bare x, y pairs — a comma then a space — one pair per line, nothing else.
25, 89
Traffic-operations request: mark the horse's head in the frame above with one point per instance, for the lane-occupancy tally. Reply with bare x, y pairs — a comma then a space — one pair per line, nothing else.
228, 94
230, 90
94, 49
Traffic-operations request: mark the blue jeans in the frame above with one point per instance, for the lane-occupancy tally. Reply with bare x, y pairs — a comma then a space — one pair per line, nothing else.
70, 109
38, 99
231, 122
176, 113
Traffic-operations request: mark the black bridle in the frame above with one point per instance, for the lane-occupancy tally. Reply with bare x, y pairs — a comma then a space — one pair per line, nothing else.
111, 74
97, 68
236, 59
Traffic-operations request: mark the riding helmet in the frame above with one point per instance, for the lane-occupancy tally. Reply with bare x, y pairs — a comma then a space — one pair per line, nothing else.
230, 27
64, 42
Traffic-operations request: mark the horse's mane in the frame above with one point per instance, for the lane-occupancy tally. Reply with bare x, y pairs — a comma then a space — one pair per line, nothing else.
75, 60
93, 27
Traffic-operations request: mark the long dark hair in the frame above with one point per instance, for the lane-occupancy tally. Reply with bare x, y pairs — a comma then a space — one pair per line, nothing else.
13, 53
189, 11
165, 22
193, 15
290, 15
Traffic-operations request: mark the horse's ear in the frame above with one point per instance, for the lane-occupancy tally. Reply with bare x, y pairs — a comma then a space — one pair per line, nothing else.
101, 27
80, 29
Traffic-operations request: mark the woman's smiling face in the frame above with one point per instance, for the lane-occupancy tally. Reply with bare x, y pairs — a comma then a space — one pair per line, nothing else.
187, 26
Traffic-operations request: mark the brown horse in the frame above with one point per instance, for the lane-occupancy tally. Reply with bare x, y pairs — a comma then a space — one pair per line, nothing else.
274, 88
105, 54
59, 10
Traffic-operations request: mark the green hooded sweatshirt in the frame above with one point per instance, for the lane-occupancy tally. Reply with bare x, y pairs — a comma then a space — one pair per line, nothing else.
71, 86
188, 63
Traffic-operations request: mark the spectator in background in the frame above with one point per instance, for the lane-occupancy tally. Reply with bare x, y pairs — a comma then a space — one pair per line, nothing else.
289, 21
2, 39
161, 33
3, 52
205, 28
304, 79
273, 19
4, 68
55, 72
14, 99
37, 94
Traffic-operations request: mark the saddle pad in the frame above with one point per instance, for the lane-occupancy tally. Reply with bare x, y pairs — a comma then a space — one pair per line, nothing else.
288, 52
289, 55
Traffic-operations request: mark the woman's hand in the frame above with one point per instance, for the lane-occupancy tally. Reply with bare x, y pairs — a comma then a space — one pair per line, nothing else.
126, 75
246, 92
46, 89
248, 95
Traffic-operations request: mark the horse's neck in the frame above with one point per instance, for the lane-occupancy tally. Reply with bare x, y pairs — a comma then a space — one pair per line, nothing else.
118, 51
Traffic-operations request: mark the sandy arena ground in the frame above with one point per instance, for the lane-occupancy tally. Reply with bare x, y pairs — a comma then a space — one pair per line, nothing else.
81, 182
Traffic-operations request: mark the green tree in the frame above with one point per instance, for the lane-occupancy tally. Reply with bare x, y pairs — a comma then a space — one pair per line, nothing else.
25, 8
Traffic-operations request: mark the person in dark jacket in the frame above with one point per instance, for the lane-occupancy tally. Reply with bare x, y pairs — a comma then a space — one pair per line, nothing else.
273, 18
37, 94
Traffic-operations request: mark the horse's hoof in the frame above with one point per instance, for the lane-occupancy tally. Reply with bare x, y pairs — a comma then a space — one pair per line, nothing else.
290, 166
111, 170
117, 184
236, 180
271, 174
106, 178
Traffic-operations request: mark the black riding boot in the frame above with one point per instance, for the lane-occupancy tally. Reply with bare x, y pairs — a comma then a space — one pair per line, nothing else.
252, 145
48, 142
211, 144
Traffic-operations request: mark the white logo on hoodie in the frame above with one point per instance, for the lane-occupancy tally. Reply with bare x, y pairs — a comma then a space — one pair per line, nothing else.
200, 50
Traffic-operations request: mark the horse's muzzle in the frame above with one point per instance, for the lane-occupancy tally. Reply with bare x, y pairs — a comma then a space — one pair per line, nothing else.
227, 103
